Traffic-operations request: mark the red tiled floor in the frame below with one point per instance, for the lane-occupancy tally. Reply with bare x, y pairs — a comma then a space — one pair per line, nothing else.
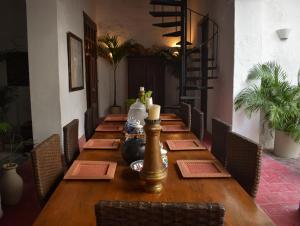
279, 192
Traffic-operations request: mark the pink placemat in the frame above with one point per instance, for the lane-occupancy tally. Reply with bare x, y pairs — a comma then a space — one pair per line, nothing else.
109, 128
91, 170
102, 144
174, 128
116, 118
185, 145
201, 169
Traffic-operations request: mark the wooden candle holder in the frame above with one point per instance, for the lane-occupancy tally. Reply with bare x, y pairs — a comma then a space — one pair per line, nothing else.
153, 172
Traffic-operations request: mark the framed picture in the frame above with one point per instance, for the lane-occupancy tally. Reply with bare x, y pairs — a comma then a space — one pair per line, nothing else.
75, 62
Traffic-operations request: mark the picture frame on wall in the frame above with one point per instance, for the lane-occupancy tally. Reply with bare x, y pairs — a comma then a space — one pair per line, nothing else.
75, 62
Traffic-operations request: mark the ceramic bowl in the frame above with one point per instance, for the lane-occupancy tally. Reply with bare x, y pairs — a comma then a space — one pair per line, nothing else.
138, 165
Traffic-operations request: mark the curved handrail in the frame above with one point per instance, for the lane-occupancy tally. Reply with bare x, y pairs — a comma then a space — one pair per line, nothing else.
203, 15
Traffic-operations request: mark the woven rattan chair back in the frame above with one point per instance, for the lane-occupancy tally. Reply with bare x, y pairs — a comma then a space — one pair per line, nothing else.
109, 213
197, 125
185, 113
88, 124
47, 166
220, 131
71, 146
96, 120
244, 162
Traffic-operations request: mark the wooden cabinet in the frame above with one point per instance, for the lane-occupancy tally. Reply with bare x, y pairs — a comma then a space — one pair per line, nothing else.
147, 71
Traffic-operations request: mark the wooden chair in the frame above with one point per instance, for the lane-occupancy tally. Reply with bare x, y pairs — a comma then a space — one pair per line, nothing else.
47, 166
71, 146
220, 131
186, 114
109, 213
244, 162
197, 125
88, 124
96, 120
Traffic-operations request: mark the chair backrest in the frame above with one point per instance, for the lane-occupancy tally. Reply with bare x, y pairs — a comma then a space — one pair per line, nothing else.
126, 213
244, 162
220, 131
197, 125
88, 124
47, 166
95, 116
71, 145
186, 114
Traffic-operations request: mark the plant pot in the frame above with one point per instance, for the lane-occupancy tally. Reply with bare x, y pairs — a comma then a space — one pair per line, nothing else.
285, 146
115, 109
11, 184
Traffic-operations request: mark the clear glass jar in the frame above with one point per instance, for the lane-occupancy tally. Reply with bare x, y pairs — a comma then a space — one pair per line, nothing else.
137, 113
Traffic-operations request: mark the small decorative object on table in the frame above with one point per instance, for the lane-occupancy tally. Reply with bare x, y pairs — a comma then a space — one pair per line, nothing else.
153, 172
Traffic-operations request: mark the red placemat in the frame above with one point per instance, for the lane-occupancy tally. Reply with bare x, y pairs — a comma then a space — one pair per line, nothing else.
201, 169
185, 145
174, 128
91, 170
116, 118
109, 128
102, 144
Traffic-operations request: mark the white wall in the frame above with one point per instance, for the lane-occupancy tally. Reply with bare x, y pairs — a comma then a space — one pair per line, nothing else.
43, 68
256, 41
70, 18
282, 14
52, 104
220, 98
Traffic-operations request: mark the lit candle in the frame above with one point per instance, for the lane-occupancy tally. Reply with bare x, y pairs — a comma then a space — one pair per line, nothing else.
154, 112
142, 89
149, 102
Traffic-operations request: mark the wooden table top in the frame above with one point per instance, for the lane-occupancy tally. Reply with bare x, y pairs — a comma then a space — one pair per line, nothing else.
73, 201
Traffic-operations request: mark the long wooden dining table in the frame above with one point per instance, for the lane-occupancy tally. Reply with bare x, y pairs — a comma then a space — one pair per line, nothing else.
73, 201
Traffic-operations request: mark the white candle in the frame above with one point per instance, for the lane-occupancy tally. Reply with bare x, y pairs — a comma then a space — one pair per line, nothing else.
142, 89
149, 102
154, 112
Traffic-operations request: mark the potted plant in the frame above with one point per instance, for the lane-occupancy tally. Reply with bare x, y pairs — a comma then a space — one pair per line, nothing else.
6, 97
280, 103
11, 182
110, 48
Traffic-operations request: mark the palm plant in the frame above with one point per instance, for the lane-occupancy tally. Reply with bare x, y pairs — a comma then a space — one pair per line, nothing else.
276, 97
110, 48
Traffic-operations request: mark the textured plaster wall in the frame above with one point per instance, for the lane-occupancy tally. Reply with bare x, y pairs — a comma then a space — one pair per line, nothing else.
52, 104
70, 18
220, 98
247, 52
256, 41
282, 14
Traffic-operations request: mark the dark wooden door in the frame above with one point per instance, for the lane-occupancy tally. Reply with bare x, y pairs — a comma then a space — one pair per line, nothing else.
90, 46
147, 71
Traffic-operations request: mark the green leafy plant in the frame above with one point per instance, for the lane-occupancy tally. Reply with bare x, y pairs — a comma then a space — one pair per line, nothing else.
276, 97
148, 94
110, 48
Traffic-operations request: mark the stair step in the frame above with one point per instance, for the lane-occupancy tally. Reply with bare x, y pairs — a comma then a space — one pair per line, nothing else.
190, 69
166, 2
173, 34
200, 78
165, 14
198, 87
168, 24
187, 42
